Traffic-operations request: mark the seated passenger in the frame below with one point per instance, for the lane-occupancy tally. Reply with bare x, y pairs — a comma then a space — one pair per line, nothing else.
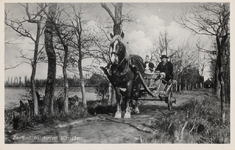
148, 65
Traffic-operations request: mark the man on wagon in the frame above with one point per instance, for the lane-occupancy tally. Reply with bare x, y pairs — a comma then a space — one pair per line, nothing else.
165, 68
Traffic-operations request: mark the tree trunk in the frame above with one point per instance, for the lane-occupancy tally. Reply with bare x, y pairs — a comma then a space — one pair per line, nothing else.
51, 73
216, 82
222, 92
177, 85
110, 94
65, 65
222, 95
33, 90
118, 19
180, 84
34, 68
82, 78
221, 53
186, 85
82, 85
66, 108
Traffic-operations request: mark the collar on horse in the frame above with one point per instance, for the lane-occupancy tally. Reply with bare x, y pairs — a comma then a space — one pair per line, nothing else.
126, 67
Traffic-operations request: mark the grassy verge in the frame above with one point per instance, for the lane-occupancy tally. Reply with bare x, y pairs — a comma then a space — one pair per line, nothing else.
18, 120
196, 122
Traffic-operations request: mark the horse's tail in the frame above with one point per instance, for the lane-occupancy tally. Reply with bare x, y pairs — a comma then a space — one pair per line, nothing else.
144, 85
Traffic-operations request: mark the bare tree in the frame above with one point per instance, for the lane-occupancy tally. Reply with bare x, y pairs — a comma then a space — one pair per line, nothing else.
81, 42
162, 45
63, 32
116, 17
18, 27
205, 60
164, 42
13, 66
101, 54
51, 73
213, 19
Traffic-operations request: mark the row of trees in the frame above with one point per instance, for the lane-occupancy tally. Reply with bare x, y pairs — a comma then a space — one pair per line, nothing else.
69, 40
209, 19
213, 20
188, 66
15, 82
59, 82
42, 83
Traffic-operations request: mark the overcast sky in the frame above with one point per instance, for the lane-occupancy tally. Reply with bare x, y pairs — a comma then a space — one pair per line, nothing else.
150, 20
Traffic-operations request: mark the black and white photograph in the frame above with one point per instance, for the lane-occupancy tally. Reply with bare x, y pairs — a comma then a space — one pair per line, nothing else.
116, 73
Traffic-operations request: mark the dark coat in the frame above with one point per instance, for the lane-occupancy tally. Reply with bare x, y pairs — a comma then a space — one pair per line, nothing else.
167, 68
151, 65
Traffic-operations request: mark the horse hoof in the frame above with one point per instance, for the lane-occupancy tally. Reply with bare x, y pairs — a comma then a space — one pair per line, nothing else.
127, 115
137, 111
118, 115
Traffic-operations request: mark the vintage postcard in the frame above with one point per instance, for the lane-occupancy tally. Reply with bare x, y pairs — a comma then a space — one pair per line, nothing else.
86, 73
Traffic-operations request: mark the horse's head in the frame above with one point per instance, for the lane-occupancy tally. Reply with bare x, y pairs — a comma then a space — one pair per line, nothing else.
117, 49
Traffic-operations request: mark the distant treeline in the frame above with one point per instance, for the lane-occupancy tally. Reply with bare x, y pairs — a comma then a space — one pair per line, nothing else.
73, 82
187, 79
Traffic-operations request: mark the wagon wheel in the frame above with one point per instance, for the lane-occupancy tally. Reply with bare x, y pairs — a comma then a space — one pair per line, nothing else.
169, 100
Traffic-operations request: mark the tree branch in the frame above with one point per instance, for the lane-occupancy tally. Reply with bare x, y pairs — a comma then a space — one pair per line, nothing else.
108, 10
12, 67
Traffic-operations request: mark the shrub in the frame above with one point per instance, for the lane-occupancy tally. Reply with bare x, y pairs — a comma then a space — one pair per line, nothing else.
197, 122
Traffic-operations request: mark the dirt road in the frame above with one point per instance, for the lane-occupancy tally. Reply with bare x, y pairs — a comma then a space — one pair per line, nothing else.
104, 128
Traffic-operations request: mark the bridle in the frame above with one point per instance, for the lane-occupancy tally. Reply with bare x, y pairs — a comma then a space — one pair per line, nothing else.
126, 69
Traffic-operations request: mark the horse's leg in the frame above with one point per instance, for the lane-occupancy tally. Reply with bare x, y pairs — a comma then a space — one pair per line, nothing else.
118, 113
136, 96
128, 96
136, 93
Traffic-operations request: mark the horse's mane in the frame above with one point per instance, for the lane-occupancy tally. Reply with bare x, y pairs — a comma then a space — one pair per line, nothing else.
138, 62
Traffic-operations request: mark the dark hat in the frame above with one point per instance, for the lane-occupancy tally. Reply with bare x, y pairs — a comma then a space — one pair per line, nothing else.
163, 56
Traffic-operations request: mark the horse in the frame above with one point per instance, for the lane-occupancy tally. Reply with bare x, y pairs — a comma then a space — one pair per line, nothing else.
125, 71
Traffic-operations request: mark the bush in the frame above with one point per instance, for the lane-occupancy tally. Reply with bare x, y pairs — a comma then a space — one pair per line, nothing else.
21, 118
197, 122
102, 90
